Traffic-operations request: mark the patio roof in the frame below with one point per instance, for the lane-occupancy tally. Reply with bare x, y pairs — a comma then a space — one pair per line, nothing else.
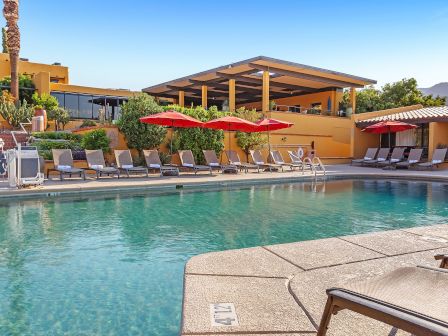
419, 116
286, 79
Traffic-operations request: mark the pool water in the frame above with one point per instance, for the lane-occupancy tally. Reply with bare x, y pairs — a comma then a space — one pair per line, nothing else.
113, 265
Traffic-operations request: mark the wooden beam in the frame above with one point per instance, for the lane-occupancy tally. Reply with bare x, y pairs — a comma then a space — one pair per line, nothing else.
232, 95
204, 96
181, 101
305, 76
353, 99
265, 96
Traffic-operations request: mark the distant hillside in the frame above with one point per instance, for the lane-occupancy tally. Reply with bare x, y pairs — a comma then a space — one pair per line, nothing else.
440, 89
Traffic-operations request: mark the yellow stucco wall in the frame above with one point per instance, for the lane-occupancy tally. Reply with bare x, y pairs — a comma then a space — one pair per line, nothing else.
438, 135
90, 90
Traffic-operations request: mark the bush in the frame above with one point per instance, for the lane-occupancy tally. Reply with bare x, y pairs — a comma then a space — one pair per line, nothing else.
249, 141
26, 87
140, 135
57, 136
197, 139
96, 139
60, 116
45, 146
87, 123
15, 114
46, 101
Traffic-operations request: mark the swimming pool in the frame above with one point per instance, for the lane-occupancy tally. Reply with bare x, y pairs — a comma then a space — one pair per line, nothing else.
113, 265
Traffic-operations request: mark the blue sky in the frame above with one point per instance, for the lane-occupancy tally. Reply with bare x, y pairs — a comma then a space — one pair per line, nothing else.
110, 44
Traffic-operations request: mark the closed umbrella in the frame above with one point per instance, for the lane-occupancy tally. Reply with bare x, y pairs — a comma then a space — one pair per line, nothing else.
388, 126
172, 119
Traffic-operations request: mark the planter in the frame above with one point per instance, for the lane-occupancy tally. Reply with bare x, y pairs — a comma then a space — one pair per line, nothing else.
43, 113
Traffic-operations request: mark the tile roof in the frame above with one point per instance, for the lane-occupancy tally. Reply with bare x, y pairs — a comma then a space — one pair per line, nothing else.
426, 114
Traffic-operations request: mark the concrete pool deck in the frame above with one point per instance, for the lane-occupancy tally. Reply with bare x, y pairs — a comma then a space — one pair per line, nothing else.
74, 186
280, 289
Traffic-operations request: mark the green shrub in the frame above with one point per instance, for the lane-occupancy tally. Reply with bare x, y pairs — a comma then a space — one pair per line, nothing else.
197, 139
45, 146
26, 87
249, 141
88, 123
96, 139
57, 136
45, 101
13, 114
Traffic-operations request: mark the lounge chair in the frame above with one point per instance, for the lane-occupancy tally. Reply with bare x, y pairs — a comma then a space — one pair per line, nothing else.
415, 155
63, 163
278, 159
257, 158
234, 159
95, 161
124, 163
152, 159
413, 299
297, 160
382, 156
396, 156
438, 157
212, 161
370, 155
187, 160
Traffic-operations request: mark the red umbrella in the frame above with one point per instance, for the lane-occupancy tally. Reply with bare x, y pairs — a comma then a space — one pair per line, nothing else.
232, 124
388, 126
171, 119
267, 125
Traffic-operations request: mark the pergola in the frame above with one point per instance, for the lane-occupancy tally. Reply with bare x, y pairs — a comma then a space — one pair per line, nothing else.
256, 79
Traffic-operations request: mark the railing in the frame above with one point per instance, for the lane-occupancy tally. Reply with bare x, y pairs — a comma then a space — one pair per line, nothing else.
23, 131
306, 110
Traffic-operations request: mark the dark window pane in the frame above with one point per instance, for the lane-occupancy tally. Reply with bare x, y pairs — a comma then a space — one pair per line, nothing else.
60, 97
85, 107
71, 104
98, 103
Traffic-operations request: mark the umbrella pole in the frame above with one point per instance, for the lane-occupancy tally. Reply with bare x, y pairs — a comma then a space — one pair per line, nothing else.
389, 137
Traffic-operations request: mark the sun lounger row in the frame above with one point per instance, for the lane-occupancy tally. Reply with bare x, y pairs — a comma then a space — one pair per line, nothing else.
64, 165
380, 158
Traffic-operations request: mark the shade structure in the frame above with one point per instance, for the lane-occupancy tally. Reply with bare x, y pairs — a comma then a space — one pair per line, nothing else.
267, 125
230, 123
172, 119
388, 126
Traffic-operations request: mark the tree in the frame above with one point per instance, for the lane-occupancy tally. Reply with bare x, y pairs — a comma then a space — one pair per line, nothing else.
60, 116
197, 139
11, 14
402, 93
249, 141
140, 135
26, 86
4, 43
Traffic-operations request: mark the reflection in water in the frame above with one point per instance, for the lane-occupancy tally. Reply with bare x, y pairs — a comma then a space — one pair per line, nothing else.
111, 264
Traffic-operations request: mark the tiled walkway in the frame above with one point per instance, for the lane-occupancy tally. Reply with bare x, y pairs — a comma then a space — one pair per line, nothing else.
280, 289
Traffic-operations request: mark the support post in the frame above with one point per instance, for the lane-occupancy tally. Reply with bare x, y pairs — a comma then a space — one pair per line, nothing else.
353, 99
181, 100
232, 95
265, 93
204, 96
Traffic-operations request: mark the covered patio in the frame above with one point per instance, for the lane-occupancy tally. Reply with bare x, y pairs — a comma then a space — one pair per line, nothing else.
264, 83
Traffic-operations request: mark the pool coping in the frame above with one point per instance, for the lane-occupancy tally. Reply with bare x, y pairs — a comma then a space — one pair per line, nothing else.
71, 188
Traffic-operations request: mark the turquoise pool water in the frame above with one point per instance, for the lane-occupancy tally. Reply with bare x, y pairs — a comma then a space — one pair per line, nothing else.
113, 265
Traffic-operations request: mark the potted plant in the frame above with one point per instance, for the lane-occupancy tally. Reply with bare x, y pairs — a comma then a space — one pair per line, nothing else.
40, 111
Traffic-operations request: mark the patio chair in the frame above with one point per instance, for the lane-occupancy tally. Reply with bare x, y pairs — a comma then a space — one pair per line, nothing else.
278, 159
257, 158
212, 161
415, 155
187, 160
152, 159
383, 154
124, 163
413, 299
396, 156
297, 160
234, 159
95, 161
438, 157
63, 163
370, 155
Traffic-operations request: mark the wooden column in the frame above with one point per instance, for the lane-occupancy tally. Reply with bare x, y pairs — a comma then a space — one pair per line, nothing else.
232, 95
204, 96
181, 100
353, 99
265, 93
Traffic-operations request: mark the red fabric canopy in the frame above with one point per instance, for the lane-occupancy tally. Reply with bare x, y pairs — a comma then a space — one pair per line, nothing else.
232, 124
171, 119
388, 126
267, 125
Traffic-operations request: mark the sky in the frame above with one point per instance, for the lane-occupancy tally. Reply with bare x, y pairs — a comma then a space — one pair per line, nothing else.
139, 43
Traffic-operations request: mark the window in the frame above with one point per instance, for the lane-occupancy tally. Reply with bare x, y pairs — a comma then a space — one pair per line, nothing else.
72, 104
85, 107
60, 97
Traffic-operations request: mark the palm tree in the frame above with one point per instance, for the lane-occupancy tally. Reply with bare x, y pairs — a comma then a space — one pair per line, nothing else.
11, 14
